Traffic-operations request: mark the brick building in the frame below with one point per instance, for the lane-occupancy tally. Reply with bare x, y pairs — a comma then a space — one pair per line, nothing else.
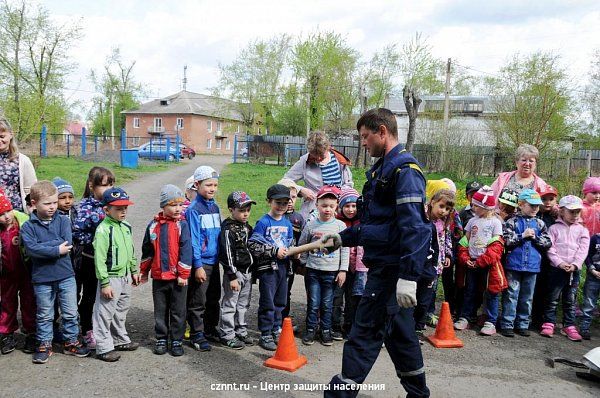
207, 124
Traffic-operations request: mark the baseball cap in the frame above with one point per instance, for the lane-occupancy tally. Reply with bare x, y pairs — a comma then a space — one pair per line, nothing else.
473, 186
549, 190
204, 173
116, 196
509, 197
239, 199
571, 202
278, 191
530, 196
329, 190
170, 193
189, 183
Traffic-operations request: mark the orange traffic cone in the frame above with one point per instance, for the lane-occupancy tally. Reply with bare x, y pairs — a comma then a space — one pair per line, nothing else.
444, 336
286, 357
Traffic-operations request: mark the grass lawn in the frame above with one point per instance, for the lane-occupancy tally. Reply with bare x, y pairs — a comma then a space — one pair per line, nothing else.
255, 179
75, 170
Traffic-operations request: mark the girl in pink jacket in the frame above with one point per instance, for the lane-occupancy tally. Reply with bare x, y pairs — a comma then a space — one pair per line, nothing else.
591, 205
570, 244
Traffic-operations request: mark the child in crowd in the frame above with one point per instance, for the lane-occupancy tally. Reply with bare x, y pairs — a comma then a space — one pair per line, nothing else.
591, 287
66, 199
548, 214
89, 215
190, 192
440, 211
323, 270
15, 281
480, 251
204, 220
467, 213
590, 213
508, 202
526, 240
167, 254
298, 224
47, 240
115, 261
570, 244
236, 260
270, 240
346, 297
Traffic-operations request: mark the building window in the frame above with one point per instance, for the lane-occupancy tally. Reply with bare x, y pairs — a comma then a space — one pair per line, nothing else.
157, 124
218, 126
228, 145
219, 144
179, 123
136, 122
208, 144
209, 125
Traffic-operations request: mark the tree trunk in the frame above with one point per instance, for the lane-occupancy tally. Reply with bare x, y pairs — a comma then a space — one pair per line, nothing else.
412, 103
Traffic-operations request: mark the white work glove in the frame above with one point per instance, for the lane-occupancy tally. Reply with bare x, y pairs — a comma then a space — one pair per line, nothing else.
337, 242
406, 293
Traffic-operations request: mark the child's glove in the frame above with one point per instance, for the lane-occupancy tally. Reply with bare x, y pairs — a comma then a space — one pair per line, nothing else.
406, 293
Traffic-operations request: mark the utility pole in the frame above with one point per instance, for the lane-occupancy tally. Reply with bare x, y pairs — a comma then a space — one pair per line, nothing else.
184, 81
308, 105
112, 121
446, 115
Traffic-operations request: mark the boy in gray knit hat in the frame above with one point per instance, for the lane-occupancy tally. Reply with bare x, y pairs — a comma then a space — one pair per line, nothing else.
66, 199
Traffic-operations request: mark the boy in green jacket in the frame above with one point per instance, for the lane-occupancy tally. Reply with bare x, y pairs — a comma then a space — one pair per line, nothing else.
115, 261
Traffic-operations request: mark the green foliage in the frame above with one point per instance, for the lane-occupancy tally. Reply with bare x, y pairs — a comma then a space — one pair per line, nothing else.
592, 94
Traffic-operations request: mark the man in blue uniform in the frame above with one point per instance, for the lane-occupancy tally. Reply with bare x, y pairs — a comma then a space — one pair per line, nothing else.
396, 237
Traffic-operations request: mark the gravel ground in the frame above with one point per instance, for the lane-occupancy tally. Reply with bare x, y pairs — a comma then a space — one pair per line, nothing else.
490, 367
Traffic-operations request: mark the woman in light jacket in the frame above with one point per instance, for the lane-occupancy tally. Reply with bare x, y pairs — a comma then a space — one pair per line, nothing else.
524, 176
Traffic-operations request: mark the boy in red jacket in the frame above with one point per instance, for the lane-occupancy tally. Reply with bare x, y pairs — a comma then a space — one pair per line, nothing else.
167, 254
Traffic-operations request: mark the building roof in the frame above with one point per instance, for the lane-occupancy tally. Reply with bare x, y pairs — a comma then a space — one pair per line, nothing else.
396, 104
187, 102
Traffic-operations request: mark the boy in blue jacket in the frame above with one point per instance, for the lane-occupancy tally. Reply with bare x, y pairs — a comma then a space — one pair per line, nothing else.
526, 239
204, 221
48, 242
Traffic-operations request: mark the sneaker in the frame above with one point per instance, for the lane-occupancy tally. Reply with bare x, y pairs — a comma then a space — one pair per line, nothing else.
131, 346
212, 335
461, 324
326, 338
8, 343
77, 349
523, 332
247, 340
42, 353
571, 333
488, 329
276, 336
233, 343
267, 343
89, 340
199, 342
309, 337
432, 320
160, 347
30, 344
111, 356
547, 329
585, 334
337, 335
507, 332
177, 348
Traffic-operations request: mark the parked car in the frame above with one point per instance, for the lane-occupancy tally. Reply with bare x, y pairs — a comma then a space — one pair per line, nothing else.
186, 151
157, 149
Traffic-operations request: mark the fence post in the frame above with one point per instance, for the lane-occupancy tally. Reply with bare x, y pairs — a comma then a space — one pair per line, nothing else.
95, 144
123, 138
235, 147
68, 145
588, 155
43, 152
83, 141
168, 152
177, 148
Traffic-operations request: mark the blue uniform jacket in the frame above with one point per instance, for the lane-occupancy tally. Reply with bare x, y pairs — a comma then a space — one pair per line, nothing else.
41, 243
204, 220
393, 229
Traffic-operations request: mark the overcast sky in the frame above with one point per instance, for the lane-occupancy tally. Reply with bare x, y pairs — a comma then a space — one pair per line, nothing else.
164, 35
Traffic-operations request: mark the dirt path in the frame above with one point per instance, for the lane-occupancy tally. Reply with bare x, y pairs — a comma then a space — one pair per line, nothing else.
487, 367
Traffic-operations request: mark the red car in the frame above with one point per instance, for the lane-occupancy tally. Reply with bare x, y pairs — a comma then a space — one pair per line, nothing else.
186, 151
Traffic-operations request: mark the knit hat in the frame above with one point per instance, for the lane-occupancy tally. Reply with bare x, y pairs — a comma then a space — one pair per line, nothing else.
62, 186
451, 184
433, 186
509, 197
591, 184
170, 193
348, 195
484, 197
204, 173
5, 204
